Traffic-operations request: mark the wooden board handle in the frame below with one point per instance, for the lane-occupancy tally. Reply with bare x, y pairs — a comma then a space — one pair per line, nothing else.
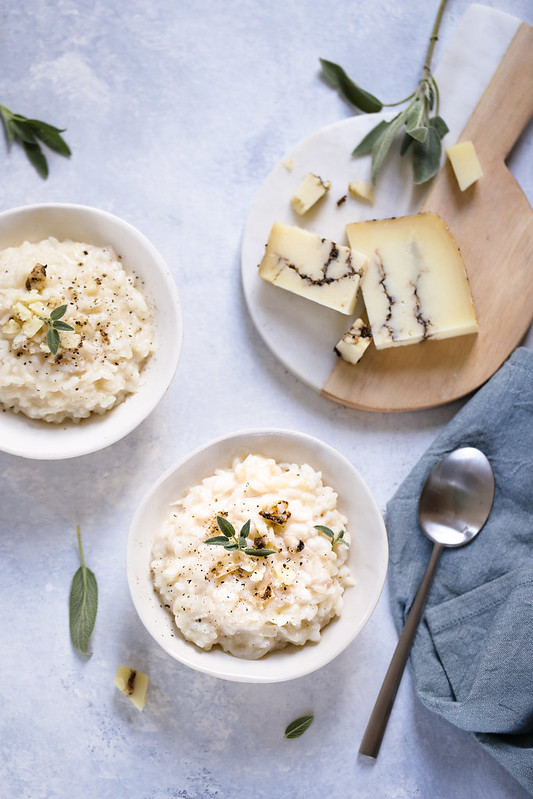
507, 104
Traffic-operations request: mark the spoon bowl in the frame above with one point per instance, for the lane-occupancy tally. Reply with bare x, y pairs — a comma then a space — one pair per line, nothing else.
457, 497
454, 504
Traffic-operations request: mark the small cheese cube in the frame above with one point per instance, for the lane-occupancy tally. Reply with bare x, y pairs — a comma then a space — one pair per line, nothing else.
415, 286
69, 339
134, 684
11, 328
32, 326
363, 191
22, 312
308, 193
38, 308
313, 267
465, 163
355, 342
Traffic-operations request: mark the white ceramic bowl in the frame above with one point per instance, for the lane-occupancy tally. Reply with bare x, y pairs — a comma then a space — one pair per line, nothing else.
367, 558
29, 438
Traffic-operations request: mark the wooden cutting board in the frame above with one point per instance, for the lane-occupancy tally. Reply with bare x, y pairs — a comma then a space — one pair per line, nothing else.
492, 223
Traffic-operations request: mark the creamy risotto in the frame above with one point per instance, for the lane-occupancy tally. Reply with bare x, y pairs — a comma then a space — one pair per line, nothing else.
99, 361
246, 603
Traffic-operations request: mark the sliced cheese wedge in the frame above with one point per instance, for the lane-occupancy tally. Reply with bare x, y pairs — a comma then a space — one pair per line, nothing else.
415, 286
313, 267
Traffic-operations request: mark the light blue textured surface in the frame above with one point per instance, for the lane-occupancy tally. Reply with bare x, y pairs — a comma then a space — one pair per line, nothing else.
176, 111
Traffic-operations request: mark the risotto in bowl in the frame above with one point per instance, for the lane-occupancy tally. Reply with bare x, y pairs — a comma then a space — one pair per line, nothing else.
90, 330
258, 558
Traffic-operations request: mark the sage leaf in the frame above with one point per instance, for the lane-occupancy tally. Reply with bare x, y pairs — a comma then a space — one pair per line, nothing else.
62, 326
217, 540
83, 604
358, 97
51, 136
52, 339
365, 145
226, 527
426, 157
383, 144
440, 126
298, 726
259, 553
58, 312
325, 530
36, 158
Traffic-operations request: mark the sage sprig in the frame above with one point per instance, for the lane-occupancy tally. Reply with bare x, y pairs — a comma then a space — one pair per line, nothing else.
298, 726
30, 134
83, 603
54, 326
335, 539
231, 541
423, 127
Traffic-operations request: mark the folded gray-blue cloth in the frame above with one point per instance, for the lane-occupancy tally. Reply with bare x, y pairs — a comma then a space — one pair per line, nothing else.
472, 659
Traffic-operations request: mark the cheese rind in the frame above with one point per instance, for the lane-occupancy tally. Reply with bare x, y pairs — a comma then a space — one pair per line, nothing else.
465, 163
415, 286
308, 193
134, 684
355, 342
313, 267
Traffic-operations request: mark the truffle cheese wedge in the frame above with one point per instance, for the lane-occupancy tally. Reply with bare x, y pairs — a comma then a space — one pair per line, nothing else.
134, 684
314, 267
309, 192
415, 286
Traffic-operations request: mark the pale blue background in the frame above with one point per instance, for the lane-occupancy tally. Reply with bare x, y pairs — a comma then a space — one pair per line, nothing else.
176, 112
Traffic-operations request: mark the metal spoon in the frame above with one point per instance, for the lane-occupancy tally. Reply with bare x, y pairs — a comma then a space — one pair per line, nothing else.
454, 505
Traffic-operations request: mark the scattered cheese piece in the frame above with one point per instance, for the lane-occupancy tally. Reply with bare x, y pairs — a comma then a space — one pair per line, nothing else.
313, 267
32, 326
11, 328
465, 163
308, 193
22, 312
354, 343
284, 573
134, 684
69, 339
415, 286
363, 191
288, 163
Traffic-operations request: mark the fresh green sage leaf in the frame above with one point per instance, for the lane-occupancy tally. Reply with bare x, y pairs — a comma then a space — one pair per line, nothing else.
217, 539
384, 142
226, 527
406, 143
358, 97
51, 136
365, 145
298, 726
259, 553
325, 530
440, 126
426, 157
245, 529
52, 339
36, 158
335, 539
83, 604
62, 326
58, 312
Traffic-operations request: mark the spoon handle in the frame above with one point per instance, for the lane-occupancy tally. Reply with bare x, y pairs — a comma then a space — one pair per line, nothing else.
377, 724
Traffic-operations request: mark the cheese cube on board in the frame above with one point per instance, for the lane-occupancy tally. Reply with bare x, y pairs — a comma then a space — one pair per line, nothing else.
313, 267
415, 286
309, 192
355, 342
465, 163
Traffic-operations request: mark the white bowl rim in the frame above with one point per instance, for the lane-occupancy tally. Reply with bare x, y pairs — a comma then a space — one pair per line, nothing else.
297, 661
70, 445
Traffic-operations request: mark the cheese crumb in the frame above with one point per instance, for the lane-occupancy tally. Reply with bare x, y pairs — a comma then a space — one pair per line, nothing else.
363, 191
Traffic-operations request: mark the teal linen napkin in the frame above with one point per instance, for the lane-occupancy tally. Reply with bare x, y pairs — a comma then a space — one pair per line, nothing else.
472, 659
